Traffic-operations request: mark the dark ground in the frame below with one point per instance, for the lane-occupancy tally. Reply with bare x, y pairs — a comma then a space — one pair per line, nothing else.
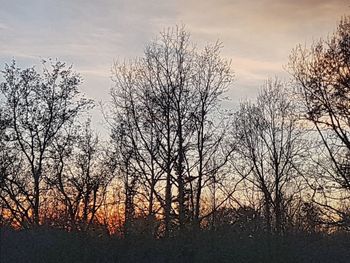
47, 246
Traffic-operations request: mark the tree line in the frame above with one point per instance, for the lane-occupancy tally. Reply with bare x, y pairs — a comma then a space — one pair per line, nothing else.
177, 159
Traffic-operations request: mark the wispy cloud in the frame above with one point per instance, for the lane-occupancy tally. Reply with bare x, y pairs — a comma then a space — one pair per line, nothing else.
257, 35
3, 26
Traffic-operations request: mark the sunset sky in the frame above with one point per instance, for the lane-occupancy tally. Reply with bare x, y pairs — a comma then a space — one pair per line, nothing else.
257, 35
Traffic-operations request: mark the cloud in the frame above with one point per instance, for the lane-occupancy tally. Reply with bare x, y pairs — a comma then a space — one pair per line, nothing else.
3, 26
257, 35
260, 34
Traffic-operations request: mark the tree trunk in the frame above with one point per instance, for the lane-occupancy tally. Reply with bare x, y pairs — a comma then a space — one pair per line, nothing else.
36, 209
180, 180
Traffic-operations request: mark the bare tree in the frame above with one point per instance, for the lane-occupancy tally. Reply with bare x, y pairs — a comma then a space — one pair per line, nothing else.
269, 148
166, 102
211, 78
135, 140
8, 163
39, 107
80, 175
322, 75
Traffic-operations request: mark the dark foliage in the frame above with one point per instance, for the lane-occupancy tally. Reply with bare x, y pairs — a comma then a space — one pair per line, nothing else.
225, 245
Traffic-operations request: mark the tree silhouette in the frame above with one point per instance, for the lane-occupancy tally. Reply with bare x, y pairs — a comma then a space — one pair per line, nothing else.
165, 103
270, 145
321, 74
39, 107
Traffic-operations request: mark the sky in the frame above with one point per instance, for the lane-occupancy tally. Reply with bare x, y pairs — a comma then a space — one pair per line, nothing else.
258, 36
